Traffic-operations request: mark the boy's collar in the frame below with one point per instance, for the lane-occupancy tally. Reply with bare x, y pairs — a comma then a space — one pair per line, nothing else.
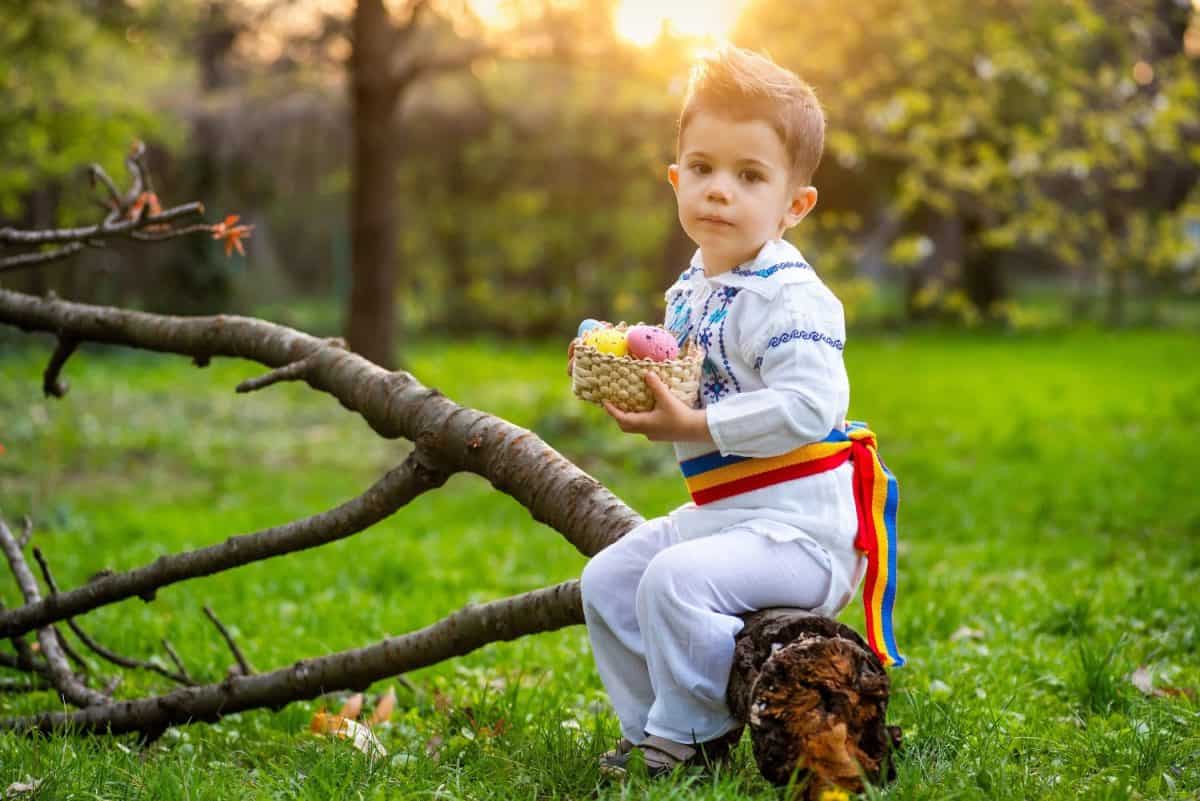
777, 264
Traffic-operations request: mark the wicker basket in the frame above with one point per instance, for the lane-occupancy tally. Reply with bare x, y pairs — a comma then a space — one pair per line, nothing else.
598, 377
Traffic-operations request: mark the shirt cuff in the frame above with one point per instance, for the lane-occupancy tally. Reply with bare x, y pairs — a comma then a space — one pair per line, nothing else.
714, 429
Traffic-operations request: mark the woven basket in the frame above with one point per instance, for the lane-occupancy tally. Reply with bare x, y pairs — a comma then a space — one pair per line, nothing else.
599, 377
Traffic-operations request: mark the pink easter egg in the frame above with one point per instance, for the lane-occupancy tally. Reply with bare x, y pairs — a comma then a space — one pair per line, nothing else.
651, 342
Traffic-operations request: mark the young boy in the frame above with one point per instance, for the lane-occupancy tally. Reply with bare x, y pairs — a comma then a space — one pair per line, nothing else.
769, 460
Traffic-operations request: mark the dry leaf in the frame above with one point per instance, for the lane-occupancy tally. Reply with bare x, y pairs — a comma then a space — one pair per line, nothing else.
383, 710
965, 633
27, 786
360, 736
434, 746
1143, 679
495, 730
352, 707
441, 701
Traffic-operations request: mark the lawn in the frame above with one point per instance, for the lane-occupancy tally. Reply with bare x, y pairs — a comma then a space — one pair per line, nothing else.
1050, 530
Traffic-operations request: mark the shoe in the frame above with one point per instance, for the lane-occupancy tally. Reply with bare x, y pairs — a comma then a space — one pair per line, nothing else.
613, 762
662, 756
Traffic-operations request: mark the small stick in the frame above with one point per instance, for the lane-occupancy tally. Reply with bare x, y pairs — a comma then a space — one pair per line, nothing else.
52, 385
97, 648
237, 652
178, 662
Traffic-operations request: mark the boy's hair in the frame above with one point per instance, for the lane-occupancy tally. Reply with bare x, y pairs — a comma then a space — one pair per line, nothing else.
740, 83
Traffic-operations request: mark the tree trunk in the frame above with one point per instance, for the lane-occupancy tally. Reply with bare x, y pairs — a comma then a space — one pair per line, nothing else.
815, 698
371, 320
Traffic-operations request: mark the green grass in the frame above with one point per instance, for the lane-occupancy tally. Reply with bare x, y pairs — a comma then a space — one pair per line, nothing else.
1049, 526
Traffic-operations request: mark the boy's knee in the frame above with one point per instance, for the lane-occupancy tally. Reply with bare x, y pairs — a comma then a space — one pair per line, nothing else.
663, 581
598, 580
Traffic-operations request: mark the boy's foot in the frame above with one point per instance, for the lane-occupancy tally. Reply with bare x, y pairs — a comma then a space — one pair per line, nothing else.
615, 759
662, 756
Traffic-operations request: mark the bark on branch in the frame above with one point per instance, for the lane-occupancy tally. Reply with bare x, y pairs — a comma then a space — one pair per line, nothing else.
413, 477
395, 404
462, 632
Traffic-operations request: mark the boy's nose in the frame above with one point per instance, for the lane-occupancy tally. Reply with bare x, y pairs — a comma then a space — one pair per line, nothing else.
717, 190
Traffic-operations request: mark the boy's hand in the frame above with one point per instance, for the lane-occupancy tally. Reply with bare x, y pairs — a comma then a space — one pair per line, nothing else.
671, 419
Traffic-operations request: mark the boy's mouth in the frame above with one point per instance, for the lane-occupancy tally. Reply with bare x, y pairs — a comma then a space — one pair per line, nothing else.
714, 219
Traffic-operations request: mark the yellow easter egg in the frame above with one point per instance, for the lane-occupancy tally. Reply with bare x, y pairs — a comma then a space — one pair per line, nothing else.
607, 340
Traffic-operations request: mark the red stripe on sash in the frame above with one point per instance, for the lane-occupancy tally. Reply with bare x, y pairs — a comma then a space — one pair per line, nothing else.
776, 476
864, 497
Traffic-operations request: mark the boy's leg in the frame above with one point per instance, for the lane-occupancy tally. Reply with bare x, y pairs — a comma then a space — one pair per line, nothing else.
689, 598
609, 587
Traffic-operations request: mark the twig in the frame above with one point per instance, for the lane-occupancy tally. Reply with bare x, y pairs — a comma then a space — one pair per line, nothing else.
158, 236
51, 385
243, 665
32, 259
97, 174
26, 664
178, 662
70, 652
290, 372
103, 230
97, 648
26, 685
26, 532
138, 169
67, 684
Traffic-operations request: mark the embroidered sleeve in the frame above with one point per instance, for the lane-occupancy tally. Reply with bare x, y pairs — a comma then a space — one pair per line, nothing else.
796, 346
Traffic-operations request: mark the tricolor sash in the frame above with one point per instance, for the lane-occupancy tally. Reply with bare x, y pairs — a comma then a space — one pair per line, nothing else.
712, 477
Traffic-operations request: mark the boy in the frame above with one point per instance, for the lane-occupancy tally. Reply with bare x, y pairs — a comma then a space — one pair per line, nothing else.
769, 460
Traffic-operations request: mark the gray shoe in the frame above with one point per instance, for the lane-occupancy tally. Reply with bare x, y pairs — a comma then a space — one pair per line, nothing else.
612, 763
662, 756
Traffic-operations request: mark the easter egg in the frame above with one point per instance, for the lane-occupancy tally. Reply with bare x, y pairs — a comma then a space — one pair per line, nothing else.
651, 342
588, 325
607, 340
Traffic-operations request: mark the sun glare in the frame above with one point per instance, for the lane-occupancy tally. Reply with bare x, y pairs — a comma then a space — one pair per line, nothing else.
642, 21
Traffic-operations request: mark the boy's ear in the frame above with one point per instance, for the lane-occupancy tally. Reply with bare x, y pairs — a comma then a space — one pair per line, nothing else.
673, 176
804, 198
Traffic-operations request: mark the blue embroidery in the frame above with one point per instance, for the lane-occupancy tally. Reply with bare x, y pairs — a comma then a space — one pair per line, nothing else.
796, 333
767, 272
715, 381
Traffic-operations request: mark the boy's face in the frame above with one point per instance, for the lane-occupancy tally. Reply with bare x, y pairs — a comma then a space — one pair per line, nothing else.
734, 188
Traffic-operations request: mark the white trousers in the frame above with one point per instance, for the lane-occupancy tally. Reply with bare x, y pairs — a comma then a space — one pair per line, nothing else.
661, 610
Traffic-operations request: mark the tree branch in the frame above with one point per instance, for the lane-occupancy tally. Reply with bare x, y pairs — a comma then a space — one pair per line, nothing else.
413, 477
51, 385
104, 230
67, 684
395, 404
97, 648
471, 627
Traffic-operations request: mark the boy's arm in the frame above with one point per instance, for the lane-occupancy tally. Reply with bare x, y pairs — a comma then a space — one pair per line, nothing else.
800, 345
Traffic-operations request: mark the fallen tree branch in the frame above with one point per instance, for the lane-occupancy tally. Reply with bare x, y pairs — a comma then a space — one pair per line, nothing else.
395, 404
413, 477
68, 685
460, 633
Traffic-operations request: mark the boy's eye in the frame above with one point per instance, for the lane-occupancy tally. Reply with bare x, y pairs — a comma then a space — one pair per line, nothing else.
752, 176
700, 168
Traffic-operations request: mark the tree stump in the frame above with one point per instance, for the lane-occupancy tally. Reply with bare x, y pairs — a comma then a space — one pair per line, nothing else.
815, 698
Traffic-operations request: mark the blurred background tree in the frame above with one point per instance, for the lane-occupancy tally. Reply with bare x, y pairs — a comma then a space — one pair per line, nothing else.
1013, 162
